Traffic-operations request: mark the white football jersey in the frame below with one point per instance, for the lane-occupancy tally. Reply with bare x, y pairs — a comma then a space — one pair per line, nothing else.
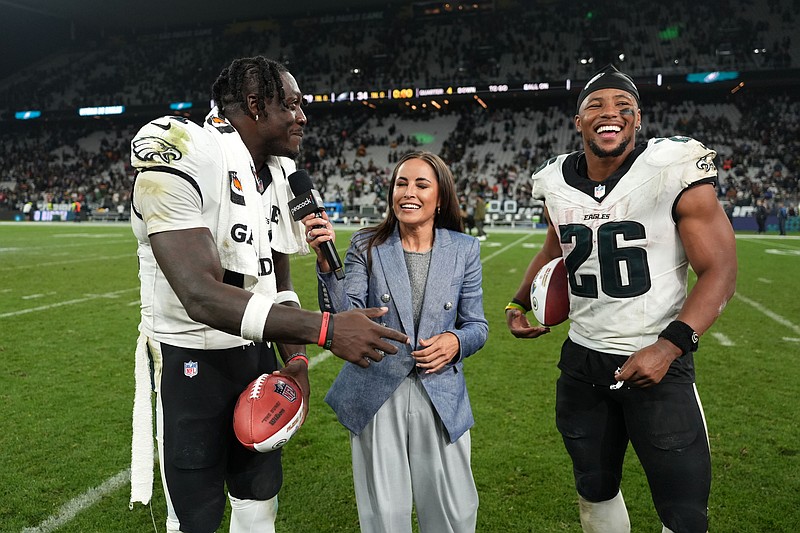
627, 266
185, 191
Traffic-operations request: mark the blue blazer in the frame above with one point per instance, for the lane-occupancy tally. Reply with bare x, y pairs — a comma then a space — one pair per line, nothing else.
453, 302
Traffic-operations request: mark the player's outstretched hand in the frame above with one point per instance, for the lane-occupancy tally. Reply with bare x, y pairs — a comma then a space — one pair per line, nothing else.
358, 339
519, 326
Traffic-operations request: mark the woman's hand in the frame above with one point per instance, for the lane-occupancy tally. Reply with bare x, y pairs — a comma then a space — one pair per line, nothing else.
436, 352
319, 230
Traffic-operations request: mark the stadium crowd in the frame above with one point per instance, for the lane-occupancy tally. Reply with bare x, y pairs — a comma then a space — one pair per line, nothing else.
350, 149
387, 49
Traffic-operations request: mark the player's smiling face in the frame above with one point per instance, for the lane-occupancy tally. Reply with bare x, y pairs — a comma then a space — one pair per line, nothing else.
607, 120
415, 195
282, 128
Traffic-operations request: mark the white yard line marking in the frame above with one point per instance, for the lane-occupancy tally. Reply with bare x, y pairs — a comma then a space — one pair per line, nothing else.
81, 260
314, 361
723, 339
88, 298
71, 509
504, 248
38, 295
769, 313
88, 235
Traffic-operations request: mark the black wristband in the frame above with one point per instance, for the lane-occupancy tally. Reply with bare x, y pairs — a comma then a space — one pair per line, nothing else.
681, 335
329, 334
519, 303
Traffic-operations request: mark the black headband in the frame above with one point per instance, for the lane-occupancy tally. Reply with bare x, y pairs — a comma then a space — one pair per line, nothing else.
609, 78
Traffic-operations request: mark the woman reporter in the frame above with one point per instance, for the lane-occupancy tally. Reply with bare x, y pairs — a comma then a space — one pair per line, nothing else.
409, 414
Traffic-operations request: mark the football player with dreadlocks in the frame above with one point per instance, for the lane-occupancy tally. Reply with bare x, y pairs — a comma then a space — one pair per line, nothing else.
214, 232
629, 219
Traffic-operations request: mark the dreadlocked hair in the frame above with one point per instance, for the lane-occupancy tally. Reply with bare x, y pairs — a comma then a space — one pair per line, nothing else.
245, 76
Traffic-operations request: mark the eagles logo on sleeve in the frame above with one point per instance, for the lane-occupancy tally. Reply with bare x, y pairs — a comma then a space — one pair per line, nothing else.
706, 163
155, 148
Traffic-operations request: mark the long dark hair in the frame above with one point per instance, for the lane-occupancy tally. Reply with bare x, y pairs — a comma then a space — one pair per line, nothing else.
448, 215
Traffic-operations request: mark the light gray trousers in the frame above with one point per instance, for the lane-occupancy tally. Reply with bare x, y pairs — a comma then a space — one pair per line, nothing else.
403, 457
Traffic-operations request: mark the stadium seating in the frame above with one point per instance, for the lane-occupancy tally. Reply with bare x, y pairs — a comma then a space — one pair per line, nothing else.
350, 150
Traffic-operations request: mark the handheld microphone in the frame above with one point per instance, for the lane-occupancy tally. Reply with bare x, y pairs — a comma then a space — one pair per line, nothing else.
305, 202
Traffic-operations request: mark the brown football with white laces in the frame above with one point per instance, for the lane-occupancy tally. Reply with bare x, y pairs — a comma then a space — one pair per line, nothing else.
268, 412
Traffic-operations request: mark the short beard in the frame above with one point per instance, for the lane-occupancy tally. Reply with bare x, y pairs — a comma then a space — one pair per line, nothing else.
616, 152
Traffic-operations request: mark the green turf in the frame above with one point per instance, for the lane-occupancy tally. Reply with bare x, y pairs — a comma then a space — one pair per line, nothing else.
68, 317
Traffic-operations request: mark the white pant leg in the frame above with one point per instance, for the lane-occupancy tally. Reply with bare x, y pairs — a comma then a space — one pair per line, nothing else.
441, 476
381, 472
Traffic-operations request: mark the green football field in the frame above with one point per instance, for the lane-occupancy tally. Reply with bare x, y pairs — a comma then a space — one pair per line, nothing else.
68, 322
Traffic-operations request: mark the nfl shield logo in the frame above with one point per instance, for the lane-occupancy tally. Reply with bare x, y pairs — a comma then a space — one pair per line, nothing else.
190, 369
286, 390
599, 191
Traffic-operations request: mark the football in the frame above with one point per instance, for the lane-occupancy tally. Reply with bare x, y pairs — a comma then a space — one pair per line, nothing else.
268, 412
550, 293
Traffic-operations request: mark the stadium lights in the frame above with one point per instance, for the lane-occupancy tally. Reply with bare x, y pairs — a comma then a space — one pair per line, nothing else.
27, 115
711, 77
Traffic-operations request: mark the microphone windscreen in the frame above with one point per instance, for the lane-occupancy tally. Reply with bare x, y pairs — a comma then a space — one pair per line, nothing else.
300, 182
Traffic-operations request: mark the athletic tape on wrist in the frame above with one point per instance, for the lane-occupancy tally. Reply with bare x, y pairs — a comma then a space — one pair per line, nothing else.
255, 316
287, 296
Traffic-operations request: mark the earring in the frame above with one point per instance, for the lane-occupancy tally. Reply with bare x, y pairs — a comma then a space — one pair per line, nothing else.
638, 128
438, 210
256, 118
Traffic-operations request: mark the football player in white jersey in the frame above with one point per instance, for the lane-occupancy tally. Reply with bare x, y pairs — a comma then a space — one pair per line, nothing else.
629, 219
215, 288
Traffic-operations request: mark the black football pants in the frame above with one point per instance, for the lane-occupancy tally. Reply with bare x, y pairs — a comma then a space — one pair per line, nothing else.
198, 450
665, 425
